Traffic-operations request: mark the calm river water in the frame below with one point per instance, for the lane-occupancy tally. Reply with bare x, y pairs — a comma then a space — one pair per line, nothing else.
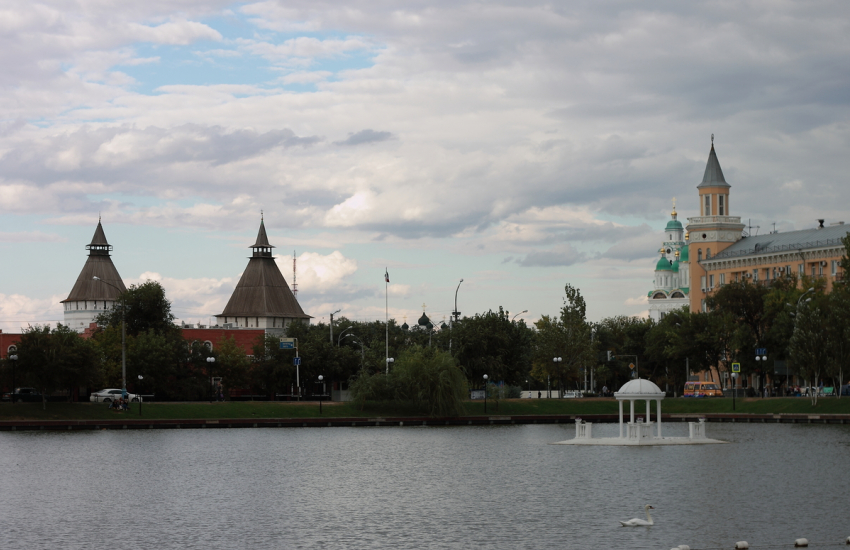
420, 487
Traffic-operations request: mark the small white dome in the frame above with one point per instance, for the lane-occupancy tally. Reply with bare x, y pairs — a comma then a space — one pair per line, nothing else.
640, 389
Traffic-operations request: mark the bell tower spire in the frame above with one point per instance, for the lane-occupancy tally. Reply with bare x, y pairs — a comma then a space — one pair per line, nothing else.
713, 230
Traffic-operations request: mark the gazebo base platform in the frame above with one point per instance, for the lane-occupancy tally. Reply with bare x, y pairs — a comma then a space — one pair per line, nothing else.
645, 442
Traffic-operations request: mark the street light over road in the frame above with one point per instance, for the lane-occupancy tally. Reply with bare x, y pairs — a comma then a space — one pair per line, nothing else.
518, 314
123, 337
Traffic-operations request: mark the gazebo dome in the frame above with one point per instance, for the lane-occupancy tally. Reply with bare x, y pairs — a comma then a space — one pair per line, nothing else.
639, 388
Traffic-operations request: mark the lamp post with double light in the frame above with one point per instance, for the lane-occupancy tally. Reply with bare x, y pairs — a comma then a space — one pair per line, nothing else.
14, 359
321, 392
210, 364
123, 337
485, 393
557, 361
140, 394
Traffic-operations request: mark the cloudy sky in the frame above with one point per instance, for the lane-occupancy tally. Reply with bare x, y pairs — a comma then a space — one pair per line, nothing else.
517, 145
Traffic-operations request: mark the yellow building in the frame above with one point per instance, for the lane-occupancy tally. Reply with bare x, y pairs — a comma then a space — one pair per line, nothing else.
721, 252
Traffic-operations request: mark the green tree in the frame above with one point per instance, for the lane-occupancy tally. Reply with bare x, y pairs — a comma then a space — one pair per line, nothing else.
50, 360
424, 377
809, 345
568, 337
491, 343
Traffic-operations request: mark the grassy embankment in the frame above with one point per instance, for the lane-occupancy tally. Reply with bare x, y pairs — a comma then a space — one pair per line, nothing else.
258, 409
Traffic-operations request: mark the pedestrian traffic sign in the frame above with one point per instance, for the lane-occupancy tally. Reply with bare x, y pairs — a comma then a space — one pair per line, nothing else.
736, 367
287, 343
296, 361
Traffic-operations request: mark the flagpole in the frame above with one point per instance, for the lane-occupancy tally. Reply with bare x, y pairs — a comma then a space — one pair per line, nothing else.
387, 316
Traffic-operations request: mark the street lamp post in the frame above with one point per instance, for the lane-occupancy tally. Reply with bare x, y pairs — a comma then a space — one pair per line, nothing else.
210, 363
123, 337
456, 316
518, 314
340, 337
140, 394
390, 360
361, 347
485, 393
322, 392
332, 324
555, 360
14, 360
794, 314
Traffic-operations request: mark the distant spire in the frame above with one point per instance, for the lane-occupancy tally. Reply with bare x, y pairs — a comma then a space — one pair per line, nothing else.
673, 213
262, 239
713, 176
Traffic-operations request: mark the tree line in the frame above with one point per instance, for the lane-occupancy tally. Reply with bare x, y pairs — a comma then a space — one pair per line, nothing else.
796, 320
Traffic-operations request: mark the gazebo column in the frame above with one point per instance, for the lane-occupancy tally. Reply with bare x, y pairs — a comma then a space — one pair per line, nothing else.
620, 402
632, 411
647, 411
658, 414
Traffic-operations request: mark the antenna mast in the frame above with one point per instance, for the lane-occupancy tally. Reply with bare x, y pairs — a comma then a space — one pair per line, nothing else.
294, 283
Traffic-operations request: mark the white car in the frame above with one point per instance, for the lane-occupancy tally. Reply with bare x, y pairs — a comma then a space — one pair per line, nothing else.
111, 394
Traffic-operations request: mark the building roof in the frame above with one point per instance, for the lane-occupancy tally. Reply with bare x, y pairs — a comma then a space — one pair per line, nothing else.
683, 254
663, 264
791, 240
713, 176
639, 389
99, 264
262, 291
262, 239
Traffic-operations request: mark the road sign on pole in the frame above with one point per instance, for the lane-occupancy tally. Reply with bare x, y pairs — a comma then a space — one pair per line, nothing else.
296, 361
632, 366
287, 343
736, 367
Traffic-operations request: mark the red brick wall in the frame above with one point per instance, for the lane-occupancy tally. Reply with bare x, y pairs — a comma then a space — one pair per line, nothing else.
245, 338
6, 340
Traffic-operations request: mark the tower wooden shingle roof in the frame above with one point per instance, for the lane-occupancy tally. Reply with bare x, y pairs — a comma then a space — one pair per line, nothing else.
99, 264
262, 291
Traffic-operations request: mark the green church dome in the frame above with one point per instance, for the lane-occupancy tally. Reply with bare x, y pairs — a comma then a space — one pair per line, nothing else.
683, 254
674, 225
663, 265
675, 266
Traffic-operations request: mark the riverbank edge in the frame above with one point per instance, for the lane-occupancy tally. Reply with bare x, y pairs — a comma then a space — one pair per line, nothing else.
128, 422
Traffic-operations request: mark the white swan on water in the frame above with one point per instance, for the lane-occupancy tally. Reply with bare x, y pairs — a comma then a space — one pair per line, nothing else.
636, 522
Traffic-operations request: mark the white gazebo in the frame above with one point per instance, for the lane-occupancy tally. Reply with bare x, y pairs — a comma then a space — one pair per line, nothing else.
640, 390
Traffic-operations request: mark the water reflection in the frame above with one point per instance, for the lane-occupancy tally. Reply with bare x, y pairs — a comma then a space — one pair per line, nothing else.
440, 487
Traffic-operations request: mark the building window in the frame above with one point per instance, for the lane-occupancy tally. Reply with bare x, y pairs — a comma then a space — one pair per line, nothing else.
702, 306
707, 206
722, 279
702, 282
209, 345
711, 281
834, 267
813, 271
736, 277
707, 253
787, 270
699, 255
801, 268
820, 269
755, 275
721, 210
10, 350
